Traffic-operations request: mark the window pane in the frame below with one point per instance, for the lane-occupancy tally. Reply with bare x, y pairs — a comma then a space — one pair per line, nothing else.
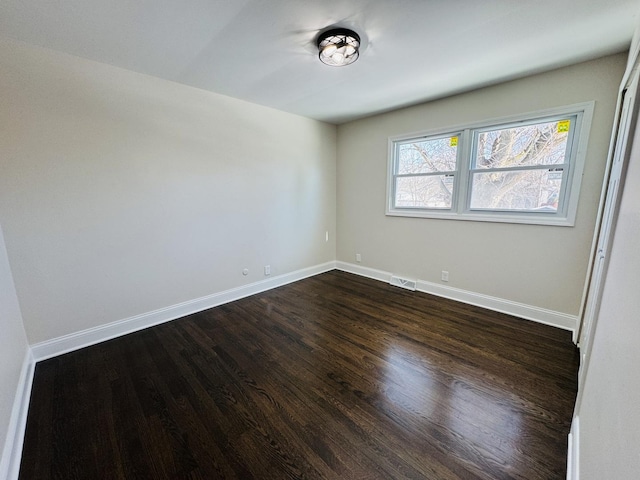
427, 156
540, 144
433, 191
526, 190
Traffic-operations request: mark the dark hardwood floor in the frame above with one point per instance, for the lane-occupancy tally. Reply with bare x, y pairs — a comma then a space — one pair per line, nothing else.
335, 376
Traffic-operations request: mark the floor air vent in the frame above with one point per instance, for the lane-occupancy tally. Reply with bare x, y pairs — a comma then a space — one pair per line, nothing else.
403, 283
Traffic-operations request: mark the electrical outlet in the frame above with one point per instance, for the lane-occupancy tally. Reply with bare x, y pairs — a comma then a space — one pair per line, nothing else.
358, 257
445, 276
267, 270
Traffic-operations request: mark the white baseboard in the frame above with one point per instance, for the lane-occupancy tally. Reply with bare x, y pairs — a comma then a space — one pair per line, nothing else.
573, 452
12, 453
364, 271
529, 312
91, 336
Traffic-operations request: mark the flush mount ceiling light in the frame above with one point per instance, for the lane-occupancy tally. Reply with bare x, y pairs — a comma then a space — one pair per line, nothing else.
338, 47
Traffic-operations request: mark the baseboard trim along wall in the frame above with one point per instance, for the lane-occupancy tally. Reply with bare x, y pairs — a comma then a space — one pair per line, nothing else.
75, 341
528, 312
12, 453
91, 336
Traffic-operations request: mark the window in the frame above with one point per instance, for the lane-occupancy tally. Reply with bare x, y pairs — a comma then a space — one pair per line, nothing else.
523, 169
425, 172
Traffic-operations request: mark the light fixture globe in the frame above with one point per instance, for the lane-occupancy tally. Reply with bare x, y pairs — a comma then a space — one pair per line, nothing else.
338, 47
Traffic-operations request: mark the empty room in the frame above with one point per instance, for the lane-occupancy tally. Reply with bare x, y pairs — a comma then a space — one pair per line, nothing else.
319, 240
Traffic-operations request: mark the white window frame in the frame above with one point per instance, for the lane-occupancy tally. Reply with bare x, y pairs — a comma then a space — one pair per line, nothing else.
581, 115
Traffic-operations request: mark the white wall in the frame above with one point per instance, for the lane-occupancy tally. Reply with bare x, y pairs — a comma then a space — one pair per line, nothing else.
609, 413
13, 349
540, 266
122, 193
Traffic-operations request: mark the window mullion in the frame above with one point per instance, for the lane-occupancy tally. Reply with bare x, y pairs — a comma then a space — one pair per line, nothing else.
464, 164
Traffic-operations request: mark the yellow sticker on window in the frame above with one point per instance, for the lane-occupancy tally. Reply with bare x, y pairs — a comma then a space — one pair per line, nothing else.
563, 126
453, 142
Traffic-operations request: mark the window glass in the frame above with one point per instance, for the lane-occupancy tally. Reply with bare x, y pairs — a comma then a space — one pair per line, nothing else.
427, 156
538, 144
528, 190
433, 191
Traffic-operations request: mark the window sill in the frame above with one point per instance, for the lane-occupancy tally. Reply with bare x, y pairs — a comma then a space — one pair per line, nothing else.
529, 219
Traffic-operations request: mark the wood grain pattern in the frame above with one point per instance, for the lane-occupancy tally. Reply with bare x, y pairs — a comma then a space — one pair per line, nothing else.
335, 376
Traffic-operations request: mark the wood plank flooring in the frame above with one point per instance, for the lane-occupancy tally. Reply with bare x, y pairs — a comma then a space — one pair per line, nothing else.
335, 376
